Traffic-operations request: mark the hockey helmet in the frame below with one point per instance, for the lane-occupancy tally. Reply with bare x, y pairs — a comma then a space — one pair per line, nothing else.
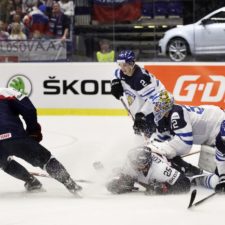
163, 103
140, 158
126, 56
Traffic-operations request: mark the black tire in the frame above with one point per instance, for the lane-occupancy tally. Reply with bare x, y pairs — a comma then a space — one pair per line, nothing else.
178, 49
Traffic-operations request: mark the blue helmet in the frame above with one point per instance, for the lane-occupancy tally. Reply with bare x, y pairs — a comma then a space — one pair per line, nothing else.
126, 56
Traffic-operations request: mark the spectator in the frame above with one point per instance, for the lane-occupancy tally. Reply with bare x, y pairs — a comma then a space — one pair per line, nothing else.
16, 19
35, 21
59, 23
67, 7
17, 33
3, 34
106, 54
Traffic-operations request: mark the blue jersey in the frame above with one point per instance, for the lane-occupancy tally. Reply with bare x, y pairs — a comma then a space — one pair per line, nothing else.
12, 105
139, 89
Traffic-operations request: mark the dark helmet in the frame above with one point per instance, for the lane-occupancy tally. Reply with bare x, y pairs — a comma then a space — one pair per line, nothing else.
126, 56
140, 158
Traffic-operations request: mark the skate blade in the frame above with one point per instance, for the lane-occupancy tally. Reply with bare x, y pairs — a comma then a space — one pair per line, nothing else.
41, 190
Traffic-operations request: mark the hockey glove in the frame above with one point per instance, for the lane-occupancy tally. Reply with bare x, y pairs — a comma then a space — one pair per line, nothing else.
220, 188
121, 184
35, 134
141, 125
157, 188
117, 88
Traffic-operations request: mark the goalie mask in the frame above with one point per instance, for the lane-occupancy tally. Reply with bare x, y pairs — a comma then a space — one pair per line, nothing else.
140, 158
163, 103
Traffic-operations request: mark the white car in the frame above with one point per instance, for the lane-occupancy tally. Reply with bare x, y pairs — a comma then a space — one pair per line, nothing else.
205, 37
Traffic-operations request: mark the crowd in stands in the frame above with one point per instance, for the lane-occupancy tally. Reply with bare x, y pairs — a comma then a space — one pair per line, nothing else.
35, 19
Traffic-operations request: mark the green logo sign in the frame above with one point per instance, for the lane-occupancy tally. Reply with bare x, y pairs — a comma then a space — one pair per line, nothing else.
21, 83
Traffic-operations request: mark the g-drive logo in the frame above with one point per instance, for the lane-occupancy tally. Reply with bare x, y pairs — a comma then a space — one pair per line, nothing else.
192, 88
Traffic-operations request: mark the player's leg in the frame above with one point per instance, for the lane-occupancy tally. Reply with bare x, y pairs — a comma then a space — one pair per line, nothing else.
220, 158
16, 170
38, 156
185, 167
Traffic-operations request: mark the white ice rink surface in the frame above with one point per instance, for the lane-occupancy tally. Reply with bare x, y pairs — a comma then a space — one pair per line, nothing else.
78, 142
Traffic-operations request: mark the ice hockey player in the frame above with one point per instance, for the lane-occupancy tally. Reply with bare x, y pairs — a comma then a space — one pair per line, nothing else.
156, 174
187, 125
140, 87
15, 140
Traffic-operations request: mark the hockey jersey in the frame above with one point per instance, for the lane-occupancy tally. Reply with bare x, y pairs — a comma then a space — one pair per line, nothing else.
188, 125
139, 89
159, 171
13, 104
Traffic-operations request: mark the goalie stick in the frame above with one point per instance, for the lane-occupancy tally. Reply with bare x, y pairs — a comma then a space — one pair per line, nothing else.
47, 176
193, 196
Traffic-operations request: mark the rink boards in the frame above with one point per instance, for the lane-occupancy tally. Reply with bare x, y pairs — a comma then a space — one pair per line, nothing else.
84, 88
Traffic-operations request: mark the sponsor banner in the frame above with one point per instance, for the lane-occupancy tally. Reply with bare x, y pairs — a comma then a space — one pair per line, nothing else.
65, 88
84, 88
34, 50
193, 84
116, 10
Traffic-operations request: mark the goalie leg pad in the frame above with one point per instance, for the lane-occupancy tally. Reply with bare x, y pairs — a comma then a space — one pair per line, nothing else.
207, 159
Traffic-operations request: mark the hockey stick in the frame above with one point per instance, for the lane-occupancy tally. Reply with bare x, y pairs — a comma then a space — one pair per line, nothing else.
193, 195
130, 114
47, 176
189, 154
127, 109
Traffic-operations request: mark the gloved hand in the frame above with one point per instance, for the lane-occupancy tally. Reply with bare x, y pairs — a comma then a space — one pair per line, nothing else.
158, 188
220, 187
139, 122
116, 88
142, 126
35, 133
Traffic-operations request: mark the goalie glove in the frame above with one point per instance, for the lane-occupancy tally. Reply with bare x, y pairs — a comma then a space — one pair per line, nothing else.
35, 133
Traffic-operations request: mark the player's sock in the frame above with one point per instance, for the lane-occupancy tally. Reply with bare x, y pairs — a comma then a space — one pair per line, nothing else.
56, 170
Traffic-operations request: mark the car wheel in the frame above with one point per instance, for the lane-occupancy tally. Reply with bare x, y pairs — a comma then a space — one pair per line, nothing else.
178, 49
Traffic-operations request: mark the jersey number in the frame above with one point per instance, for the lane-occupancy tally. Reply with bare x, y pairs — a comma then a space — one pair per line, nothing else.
174, 124
167, 172
144, 84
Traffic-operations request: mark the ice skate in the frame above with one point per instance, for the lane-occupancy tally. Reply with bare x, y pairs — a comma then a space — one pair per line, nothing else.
72, 187
33, 185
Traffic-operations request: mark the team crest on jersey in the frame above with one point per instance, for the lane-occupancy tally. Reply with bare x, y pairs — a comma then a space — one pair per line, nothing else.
175, 116
130, 97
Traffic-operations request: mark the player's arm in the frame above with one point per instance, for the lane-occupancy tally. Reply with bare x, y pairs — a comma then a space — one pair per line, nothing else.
22, 105
182, 140
116, 85
121, 184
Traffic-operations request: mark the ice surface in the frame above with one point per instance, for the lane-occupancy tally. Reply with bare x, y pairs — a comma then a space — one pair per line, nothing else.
78, 142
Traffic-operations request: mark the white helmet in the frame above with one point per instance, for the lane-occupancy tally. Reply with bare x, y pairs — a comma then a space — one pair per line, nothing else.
140, 157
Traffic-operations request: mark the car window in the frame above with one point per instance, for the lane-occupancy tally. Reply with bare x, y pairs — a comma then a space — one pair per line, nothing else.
218, 17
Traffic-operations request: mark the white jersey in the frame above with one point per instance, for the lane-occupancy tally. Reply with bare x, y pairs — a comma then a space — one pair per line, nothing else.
159, 171
189, 125
139, 89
